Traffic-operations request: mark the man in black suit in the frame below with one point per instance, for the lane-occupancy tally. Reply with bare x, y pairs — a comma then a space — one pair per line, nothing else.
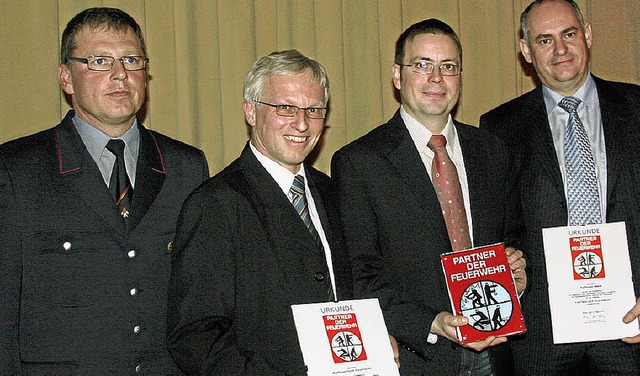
83, 279
393, 221
557, 41
244, 254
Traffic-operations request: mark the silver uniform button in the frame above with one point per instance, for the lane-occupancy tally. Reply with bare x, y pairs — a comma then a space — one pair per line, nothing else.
66, 246
137, 329
138, 368
133, 291
131, 254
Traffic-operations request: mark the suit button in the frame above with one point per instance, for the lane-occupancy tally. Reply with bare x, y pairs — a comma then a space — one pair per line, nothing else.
131, 254
170, 246
136, 329
133, 291
138, 368
66, 246
319, 276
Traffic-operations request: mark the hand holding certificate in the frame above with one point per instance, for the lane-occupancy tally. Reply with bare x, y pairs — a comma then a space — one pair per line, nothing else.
482, 288
632, 316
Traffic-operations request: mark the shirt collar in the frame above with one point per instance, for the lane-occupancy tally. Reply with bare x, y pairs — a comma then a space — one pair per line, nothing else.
282, 176
96, 141
587, 93
421, 135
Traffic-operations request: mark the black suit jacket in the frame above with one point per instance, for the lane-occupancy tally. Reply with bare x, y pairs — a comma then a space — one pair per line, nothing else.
74, 282
395, 232
523, 124
243, 258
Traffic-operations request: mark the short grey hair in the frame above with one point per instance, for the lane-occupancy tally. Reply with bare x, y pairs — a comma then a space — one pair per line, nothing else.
525, 15
283, 63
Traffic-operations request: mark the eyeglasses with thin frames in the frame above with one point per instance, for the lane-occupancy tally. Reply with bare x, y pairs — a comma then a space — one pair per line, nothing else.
288, 110
105, 63
426, 67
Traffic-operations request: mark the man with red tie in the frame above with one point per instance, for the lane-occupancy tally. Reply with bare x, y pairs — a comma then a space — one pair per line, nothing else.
419, 186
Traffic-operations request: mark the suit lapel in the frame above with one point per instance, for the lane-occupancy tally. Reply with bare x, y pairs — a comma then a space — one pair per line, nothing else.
80, 173
541, 148
319, 194
274, 209
478, 175
615, 117
290, 244
405, 159
150, 175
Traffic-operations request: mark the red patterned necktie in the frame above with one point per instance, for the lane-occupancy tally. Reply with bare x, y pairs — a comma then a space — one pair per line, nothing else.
447, 186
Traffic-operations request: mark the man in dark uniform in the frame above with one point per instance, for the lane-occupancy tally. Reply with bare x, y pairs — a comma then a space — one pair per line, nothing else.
89, 210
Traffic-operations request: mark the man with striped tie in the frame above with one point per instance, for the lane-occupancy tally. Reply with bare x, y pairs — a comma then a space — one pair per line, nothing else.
574, 144
259, 236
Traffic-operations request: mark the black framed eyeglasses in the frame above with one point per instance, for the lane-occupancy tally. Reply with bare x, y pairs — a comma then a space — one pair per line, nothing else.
426, 67
105, 63
288, 110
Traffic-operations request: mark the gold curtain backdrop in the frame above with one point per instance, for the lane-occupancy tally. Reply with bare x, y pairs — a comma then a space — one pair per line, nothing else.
201, 50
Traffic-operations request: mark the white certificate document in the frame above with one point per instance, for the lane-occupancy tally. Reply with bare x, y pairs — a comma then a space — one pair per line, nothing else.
344, 338
590, 282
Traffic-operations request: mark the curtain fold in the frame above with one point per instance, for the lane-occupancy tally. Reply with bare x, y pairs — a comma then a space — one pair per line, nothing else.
200, 51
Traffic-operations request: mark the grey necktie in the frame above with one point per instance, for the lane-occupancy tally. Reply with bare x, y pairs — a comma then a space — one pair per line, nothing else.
582, 186
300, 203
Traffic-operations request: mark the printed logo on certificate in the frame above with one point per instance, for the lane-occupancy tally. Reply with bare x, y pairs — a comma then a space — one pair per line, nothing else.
586, 254
590, 282
344, 337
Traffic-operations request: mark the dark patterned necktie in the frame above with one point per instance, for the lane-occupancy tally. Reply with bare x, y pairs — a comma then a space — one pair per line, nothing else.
447, 186
119, 185
299, 201
582, 186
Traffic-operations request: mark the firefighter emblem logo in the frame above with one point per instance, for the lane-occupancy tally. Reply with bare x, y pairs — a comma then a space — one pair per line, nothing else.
344, 338
487, 304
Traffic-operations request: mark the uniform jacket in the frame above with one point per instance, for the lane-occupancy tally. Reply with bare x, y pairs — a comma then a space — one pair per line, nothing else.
79, 293
395, 233
523, 124
243, 257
